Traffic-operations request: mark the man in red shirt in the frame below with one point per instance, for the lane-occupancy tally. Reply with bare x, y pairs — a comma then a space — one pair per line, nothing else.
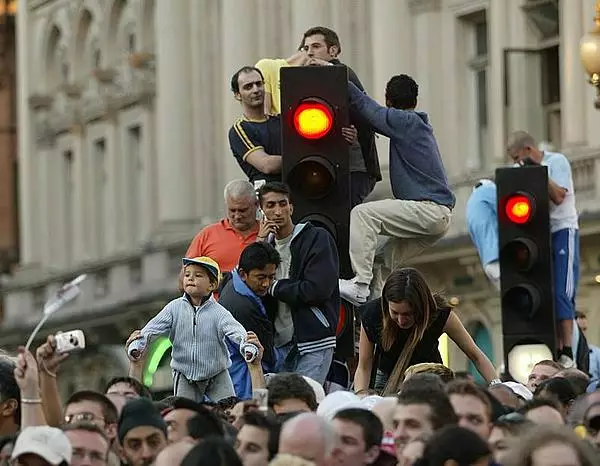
224, 241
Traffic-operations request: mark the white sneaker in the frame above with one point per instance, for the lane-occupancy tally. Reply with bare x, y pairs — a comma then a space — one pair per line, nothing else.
566, 362
355, 293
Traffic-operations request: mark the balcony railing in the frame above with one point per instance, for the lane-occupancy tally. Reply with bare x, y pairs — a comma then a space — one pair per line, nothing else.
111, 287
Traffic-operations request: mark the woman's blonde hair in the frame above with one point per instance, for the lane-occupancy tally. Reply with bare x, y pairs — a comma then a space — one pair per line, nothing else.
408, 285
445, 373
289, 460
523, 447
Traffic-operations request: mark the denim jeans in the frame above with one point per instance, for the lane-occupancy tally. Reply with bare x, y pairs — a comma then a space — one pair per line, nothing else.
314, 365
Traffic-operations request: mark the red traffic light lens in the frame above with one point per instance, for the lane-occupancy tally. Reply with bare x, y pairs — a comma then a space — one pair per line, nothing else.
519, 209
313, 120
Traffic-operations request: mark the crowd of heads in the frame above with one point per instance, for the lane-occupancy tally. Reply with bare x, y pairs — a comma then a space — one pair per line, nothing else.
436, 417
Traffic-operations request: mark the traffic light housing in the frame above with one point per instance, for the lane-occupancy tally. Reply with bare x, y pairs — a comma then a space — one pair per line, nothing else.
315, 155
316, 164
526, 269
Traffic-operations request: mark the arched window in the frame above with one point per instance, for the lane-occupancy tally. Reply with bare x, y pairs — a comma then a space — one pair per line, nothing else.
483, 339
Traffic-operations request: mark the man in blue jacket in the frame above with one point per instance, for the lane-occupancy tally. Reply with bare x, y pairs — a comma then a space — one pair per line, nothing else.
421, 211
246, 297
306, 286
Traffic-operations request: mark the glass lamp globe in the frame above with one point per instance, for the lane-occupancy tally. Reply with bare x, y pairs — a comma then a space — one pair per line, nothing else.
589, 49
522, 358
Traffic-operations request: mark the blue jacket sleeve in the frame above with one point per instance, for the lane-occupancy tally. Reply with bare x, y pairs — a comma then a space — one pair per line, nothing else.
391, 122
319, 278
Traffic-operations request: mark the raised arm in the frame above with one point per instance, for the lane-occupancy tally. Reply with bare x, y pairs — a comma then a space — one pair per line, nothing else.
232, 329
159, 325
459, 335
390, 122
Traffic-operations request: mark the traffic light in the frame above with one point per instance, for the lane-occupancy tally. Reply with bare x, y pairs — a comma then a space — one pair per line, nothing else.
526, 274
315, 155
316, 164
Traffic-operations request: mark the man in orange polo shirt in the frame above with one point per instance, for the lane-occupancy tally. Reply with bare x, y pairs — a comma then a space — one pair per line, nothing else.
225, 240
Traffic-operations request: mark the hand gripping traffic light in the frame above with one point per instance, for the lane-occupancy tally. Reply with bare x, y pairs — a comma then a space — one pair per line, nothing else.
315, 161
526, 274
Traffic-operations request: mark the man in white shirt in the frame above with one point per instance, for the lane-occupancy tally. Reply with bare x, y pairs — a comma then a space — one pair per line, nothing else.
564, 226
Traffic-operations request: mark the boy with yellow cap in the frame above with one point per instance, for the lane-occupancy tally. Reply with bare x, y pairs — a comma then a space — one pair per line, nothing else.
197, 326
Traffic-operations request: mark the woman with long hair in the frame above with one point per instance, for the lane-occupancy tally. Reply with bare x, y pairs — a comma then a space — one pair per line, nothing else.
406, 324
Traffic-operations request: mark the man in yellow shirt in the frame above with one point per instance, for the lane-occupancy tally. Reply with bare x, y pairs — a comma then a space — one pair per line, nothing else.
269, 67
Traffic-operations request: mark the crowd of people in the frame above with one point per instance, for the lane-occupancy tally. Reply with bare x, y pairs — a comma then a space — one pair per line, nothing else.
254, 331
433, 417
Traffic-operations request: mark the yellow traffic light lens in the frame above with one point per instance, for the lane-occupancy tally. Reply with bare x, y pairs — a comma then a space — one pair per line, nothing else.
313, 120
312, 178
519, 209
521, 253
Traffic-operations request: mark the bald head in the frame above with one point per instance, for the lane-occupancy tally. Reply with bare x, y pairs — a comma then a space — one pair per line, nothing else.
505, 396
310, 437
174, 454
384, 410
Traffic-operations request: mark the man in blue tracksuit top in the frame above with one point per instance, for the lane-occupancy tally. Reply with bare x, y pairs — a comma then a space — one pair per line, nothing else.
421, 211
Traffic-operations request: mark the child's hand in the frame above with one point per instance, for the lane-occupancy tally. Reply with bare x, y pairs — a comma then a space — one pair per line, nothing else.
253, 339
134, 355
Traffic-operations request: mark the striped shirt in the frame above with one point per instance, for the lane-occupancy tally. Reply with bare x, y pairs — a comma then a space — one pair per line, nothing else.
247, 136
198, 336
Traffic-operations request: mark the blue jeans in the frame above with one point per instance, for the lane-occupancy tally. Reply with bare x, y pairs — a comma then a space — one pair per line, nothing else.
314, 365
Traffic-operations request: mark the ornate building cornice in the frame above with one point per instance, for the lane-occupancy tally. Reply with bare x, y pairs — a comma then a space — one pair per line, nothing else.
424, 6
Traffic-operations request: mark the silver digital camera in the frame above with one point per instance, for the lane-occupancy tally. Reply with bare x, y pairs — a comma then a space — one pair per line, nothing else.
68, 342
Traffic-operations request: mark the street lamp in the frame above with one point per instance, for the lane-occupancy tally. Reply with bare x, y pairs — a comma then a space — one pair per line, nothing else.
589, 49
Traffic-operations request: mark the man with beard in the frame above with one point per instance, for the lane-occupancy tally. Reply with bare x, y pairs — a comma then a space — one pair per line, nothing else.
142, 433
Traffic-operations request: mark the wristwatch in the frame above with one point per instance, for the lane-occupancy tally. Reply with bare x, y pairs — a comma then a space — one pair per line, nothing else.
495, 382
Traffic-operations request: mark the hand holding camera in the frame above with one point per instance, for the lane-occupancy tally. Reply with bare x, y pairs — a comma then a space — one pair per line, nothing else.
57, 348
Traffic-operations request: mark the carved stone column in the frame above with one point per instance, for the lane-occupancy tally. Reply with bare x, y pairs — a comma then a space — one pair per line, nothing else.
174, 116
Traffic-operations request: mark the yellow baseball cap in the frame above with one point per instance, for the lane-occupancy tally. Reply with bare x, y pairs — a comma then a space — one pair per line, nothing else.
206, 262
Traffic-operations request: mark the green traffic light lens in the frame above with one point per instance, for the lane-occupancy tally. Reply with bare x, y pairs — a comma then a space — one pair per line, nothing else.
523, 300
